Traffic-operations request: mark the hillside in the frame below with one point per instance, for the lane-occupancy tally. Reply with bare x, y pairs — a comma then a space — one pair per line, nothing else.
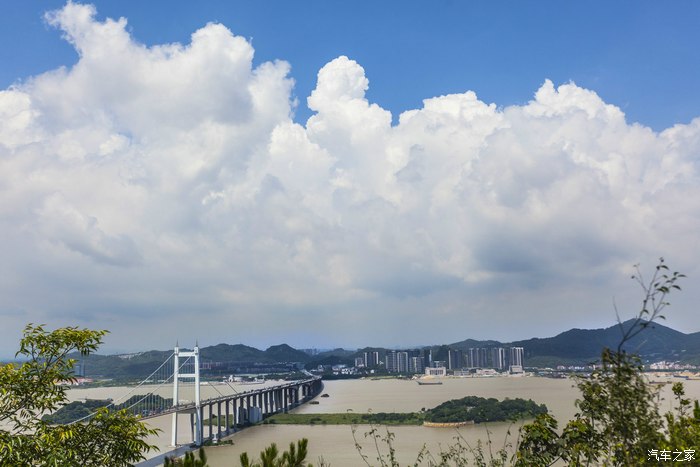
225, 355
657, 342
575, 346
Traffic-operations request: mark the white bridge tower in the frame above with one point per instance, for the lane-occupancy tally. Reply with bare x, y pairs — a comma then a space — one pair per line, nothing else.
197, 401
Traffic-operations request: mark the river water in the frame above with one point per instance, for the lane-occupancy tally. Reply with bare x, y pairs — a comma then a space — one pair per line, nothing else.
335, 443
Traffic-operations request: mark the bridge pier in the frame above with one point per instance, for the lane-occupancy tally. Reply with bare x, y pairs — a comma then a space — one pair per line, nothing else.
218, 420
235, 419
239, 409
228, 424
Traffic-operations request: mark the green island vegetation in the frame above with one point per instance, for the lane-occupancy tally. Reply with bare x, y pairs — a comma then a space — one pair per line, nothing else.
467, 409
77, 410
480, 409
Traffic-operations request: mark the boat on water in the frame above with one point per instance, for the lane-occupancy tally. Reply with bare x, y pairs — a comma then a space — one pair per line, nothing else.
429, 383
253, 381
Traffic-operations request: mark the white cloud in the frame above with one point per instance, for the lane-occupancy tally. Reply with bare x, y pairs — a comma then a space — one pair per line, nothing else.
157, 183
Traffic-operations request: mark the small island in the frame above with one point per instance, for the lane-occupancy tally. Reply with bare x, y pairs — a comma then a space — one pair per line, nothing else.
479, 409
456, 412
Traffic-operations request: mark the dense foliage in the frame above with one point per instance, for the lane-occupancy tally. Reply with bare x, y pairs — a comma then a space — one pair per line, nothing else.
270, 456
31, 388
188, 461
618, 422
480, 409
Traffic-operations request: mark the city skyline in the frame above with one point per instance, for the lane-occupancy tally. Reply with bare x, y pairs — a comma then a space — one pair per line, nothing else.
344, 175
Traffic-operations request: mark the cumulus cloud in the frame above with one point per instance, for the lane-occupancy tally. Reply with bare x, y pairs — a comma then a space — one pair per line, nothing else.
159, 186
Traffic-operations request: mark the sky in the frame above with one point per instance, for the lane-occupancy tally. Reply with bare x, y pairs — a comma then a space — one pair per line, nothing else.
344, 174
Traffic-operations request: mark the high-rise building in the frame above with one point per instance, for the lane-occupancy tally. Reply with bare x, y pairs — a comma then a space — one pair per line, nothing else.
371, 359
516, 359
471, 358
416, 365
498, 358
402, 358
454, 359
392, 362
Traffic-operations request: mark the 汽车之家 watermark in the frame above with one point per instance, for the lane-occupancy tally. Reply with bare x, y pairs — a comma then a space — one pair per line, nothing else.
666, 455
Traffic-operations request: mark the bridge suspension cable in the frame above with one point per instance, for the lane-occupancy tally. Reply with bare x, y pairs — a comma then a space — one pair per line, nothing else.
149, 402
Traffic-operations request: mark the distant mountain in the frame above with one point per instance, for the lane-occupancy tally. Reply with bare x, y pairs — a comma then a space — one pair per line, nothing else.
139, 365
285, 353
121, 366
232, 353
657, 342
473, 343
576, 346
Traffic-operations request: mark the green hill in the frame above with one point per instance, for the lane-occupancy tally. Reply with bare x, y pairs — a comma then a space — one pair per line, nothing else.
580, 346
575, 346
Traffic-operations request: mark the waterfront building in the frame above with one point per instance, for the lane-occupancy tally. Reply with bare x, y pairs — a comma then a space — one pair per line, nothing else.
436, 371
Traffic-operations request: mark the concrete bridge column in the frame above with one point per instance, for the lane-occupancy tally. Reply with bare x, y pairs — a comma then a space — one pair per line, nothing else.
266, 401
218, 420
228, 423
201, 425
235, 414
211, 415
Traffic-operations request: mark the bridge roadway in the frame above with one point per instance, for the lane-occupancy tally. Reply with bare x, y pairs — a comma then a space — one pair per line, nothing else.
239, 411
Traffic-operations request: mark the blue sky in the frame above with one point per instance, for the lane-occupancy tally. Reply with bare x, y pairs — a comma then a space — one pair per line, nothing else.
641, 56
344, 173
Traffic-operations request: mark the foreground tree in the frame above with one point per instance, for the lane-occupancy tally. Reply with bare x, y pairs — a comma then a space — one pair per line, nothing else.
294, 457
618, 422
33, 388
188, 461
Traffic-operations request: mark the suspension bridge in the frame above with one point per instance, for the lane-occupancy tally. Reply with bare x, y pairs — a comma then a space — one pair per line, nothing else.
174, 389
